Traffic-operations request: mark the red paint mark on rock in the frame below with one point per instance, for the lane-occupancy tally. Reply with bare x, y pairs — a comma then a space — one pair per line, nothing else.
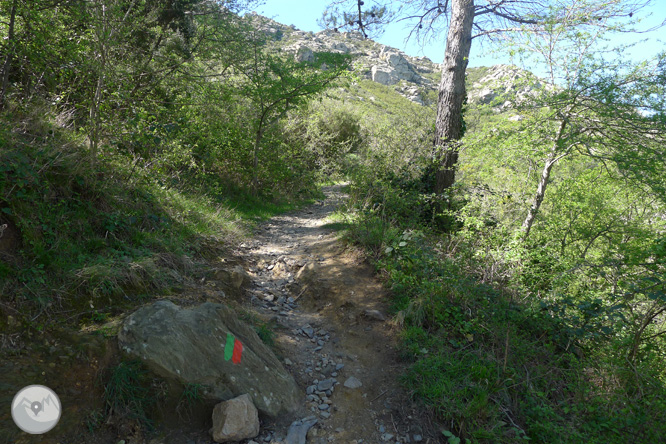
238, 351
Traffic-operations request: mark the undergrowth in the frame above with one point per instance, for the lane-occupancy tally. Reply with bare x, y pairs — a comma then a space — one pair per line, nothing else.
128, 394
493, 365
89, 237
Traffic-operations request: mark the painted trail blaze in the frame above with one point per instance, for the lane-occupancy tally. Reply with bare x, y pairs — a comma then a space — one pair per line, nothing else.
233, 349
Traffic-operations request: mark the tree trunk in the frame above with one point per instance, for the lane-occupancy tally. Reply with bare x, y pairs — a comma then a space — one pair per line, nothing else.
93, 136
552, 159
255, 156
449, 124
6, 66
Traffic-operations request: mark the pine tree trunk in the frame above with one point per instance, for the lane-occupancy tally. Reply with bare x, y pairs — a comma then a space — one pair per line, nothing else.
449, 124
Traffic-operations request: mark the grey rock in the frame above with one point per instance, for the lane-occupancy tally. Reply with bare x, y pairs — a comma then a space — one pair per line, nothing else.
324, 385
235, 277
417, 438
485, 96
234, 420
387, 437
375, 314
382, 75
307, 273
308, 331
187, 344
402, 69
323, 406
298, 430
353, 383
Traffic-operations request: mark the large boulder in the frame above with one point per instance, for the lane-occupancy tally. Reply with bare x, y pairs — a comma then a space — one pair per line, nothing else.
234, 420
191, 346
401, 67
383, 75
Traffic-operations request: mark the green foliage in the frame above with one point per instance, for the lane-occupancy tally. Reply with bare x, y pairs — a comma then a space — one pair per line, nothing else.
192, 393
557, 338
329, 132
169, 99
190, 397
95, 240
266, 334
128, 394
351, 16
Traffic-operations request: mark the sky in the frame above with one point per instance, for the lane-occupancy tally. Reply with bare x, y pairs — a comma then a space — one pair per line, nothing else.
304, 15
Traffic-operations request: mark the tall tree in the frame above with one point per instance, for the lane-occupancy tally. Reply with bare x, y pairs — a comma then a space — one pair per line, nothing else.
466, 20
274, 84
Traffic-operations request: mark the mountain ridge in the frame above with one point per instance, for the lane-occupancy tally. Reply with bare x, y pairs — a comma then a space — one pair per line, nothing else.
413, 77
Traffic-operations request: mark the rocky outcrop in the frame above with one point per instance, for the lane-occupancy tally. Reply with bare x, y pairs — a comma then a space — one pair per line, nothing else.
382, 64
393, 67
501, 85
234, 420
504, 85
209, 345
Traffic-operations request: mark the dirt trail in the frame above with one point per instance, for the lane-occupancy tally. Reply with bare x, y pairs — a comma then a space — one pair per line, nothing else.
332, 318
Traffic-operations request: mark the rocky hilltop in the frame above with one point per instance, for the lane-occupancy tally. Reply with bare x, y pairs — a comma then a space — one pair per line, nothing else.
412, 77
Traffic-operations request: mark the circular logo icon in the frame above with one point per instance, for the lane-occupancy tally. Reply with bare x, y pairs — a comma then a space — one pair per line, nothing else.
36, 409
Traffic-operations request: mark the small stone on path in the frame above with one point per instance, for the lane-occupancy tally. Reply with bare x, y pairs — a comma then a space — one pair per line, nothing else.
353, 383
299, 429
308, 331
324, 385
375, 314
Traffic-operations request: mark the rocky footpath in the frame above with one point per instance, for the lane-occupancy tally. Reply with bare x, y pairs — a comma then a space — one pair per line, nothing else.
332, 334
331, 372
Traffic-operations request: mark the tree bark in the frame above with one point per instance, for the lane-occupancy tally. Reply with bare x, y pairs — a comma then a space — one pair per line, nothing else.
255, 156
552, 159
449, 123
6, 66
